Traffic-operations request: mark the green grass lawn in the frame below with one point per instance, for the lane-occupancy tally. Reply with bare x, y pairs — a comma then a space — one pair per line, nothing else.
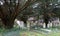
38, 34
32, 33
54, 34
28, 33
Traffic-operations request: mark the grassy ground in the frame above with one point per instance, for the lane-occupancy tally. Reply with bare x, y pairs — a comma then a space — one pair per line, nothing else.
20, 32
29, 33
39, 32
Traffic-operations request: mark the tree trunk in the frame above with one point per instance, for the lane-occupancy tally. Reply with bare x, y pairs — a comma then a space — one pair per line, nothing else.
46, 18
8, 24
25, 23
46, 24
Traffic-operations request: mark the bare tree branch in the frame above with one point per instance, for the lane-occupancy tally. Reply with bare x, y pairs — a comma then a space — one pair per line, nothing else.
18, 8
1, 13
